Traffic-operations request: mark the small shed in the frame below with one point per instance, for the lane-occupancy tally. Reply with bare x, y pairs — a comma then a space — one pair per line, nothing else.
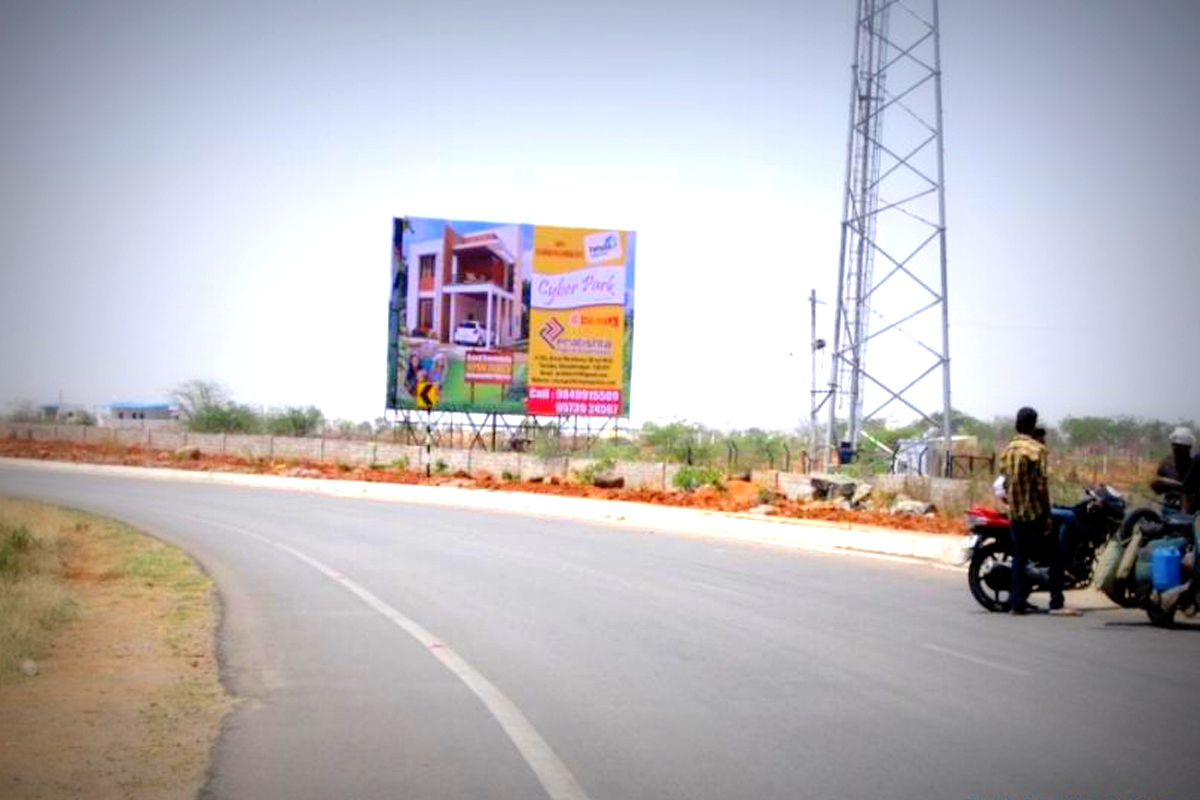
122, 412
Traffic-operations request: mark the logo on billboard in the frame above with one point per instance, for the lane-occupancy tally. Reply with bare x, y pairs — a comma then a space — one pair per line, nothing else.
551, 331
602, 246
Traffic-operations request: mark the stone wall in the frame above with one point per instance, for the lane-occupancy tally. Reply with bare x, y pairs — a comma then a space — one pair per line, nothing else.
944, 493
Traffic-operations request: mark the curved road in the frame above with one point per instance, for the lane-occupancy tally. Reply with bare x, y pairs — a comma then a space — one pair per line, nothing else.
402, 651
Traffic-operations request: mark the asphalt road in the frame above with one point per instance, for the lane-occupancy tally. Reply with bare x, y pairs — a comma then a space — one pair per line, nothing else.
387, 650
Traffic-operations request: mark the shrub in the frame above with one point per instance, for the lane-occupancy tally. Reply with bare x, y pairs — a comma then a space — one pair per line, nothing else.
14, 544
295, 421
689, 478
440, 467
596, 469
231, 418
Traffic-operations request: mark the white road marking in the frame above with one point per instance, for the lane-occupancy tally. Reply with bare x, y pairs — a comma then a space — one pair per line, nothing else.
550, 771
712, 587
983, 662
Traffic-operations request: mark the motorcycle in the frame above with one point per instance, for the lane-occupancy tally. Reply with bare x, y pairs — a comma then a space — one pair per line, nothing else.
1079, 530
1150, 562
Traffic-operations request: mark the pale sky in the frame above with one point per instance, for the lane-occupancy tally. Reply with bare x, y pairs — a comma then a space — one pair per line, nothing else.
206, 190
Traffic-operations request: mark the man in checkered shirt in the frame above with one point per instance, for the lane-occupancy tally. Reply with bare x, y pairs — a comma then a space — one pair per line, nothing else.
1023, 465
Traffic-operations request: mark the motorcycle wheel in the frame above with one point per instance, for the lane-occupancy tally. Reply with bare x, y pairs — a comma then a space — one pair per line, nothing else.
1160, 618
990, 576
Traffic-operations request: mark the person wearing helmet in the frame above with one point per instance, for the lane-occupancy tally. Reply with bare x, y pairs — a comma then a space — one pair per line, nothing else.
1175, 466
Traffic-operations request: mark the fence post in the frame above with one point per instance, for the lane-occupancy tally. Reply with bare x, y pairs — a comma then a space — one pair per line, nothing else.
322, 458
271, 448
223, 437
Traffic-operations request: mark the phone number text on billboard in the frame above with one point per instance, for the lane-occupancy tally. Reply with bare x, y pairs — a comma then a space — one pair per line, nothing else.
573, 401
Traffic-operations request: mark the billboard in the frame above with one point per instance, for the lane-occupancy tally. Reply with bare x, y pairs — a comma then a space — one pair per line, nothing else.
510, 318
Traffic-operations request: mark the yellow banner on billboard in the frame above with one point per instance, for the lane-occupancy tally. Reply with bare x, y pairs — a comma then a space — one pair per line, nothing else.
578, 347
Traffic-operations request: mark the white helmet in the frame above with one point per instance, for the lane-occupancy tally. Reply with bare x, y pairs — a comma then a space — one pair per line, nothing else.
1182, 436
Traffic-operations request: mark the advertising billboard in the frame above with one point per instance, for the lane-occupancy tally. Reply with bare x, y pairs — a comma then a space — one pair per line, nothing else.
510, 318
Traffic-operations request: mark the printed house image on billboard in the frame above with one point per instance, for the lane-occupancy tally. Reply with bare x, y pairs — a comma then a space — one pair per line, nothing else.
465, 297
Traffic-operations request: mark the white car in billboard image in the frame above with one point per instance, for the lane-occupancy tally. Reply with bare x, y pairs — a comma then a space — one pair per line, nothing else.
471, 333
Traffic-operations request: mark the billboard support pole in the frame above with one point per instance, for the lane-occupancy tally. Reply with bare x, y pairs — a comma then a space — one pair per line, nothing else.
428, 441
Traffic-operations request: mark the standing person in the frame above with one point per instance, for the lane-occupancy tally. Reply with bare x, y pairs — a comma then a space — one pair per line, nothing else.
1175, 466
1023, 465
410, 374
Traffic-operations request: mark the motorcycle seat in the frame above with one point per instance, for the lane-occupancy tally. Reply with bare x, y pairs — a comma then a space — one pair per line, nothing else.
1062, 513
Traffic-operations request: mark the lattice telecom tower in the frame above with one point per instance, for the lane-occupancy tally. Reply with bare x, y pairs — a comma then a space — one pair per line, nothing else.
892, 268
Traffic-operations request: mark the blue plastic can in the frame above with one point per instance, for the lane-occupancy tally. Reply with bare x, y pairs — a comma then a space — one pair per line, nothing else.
1166, 568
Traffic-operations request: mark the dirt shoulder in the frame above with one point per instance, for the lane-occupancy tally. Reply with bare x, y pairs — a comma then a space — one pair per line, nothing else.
126, 701
735, 496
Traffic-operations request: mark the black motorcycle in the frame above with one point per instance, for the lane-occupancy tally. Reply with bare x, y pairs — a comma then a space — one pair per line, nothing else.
1079, 530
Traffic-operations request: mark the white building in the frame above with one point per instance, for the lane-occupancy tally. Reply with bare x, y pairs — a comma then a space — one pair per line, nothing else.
466, 277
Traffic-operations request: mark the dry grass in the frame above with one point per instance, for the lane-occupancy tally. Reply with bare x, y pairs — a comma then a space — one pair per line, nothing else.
126, 701
36, 543
34, 599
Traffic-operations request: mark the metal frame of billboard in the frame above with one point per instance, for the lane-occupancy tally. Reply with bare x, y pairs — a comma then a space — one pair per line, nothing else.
549, 308
416, 427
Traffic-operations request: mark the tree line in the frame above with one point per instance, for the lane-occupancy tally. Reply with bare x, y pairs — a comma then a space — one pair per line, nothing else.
206, 407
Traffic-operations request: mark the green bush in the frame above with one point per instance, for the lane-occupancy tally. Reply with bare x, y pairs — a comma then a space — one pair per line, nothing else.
229, 418
596, 469
615, 450
295, 421
15, 542
689, 478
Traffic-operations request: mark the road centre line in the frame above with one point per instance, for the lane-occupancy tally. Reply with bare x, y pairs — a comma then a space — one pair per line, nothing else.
983, 662
549, 769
